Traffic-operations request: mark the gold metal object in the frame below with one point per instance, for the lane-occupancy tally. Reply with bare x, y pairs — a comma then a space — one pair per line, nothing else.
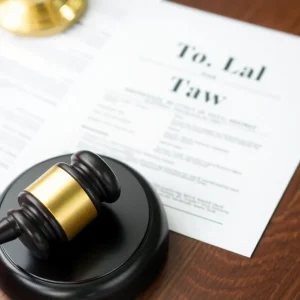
38, 18
66, 200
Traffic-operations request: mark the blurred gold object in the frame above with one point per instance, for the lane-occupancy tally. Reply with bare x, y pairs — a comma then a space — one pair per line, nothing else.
39, 18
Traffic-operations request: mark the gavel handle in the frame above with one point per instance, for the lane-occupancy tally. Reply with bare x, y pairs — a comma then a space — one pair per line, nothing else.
9, 230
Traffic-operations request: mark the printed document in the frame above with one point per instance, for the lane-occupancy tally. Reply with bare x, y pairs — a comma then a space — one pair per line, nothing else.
205, 107
36, 74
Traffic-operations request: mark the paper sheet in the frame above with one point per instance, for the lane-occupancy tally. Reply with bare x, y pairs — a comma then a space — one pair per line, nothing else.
36, 74
206, 108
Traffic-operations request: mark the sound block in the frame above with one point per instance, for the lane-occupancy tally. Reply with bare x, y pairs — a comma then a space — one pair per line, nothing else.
114, 258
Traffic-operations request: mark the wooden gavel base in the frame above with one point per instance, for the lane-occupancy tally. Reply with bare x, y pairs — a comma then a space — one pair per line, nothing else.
115, 257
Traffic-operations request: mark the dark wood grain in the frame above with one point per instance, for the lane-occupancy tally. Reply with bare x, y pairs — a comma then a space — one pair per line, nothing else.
198, 271
282, 15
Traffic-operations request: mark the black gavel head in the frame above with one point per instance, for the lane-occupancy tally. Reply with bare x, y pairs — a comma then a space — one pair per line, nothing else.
61, 203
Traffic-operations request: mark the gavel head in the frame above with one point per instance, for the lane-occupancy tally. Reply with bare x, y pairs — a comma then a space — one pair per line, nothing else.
61, 203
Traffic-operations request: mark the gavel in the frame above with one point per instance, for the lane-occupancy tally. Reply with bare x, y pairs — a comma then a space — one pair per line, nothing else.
37, 18
59, 204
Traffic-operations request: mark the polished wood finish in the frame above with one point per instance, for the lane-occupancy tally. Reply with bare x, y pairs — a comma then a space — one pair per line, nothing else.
41, 222
198, 271
114, 259
282, 15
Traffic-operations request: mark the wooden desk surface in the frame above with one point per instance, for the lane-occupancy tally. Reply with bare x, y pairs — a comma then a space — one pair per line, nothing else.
198, 271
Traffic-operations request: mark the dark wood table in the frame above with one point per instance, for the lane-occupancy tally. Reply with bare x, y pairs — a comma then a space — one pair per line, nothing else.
195, 270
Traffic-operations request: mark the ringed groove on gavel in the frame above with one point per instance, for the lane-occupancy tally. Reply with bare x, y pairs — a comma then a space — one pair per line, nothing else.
61, 203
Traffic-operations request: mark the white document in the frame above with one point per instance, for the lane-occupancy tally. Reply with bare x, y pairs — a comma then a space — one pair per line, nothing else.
36, 74
205, 107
